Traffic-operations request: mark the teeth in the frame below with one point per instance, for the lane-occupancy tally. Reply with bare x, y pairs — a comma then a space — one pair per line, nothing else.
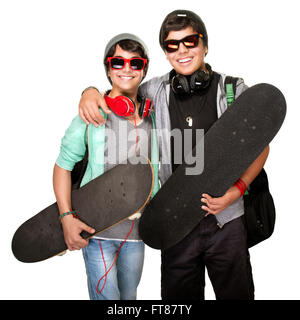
184, 60
126, 77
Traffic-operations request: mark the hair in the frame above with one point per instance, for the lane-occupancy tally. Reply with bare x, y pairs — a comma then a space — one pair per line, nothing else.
176, 21
131, 46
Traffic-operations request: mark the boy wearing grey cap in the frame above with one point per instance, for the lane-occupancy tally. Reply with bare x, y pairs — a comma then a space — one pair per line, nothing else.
114, 258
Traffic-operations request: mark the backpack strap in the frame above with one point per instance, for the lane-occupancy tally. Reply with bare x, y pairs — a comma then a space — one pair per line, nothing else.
230, 89
80, 167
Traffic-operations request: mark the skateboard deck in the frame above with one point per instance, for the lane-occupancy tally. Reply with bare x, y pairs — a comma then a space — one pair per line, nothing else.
103, 202
234, 141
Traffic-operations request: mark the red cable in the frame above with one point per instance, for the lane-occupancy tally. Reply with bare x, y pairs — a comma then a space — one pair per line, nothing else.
137, 136
97, 289
106, 272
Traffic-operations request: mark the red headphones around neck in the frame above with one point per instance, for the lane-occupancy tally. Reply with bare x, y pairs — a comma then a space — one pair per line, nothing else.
125, 107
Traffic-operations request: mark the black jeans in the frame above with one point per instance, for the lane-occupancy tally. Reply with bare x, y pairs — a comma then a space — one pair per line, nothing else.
223, 251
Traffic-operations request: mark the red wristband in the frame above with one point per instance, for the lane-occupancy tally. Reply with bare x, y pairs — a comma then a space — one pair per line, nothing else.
241, 185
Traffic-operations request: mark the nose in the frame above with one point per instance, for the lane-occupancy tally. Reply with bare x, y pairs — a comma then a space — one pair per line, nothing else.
127, 67
182, 48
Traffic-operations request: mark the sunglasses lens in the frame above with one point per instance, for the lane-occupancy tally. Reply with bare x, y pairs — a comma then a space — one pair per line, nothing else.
191, 41
172, 45
117, 63
137, 64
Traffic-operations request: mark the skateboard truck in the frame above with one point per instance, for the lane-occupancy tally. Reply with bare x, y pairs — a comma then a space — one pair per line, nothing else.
135, 216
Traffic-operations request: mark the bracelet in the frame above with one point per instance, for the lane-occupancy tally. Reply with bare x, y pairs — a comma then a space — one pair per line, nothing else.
241, 185
91, 87
73, 213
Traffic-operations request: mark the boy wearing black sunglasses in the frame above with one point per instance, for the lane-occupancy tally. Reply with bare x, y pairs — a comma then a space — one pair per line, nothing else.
192, 96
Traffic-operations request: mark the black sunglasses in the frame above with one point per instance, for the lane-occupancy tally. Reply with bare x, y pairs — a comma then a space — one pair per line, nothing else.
189, 42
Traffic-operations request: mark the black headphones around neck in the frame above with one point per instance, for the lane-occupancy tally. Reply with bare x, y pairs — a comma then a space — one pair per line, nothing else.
198, 81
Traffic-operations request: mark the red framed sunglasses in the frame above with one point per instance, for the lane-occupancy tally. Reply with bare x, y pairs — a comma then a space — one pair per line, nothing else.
189, 42
119, 63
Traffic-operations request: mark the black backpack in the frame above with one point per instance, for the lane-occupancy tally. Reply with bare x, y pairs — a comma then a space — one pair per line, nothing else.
259, 217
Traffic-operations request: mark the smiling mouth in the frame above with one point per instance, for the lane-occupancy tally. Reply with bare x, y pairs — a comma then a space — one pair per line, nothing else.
184, 60
126, 77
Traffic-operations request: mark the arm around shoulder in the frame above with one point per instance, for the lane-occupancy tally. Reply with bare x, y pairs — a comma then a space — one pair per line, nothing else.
88, 108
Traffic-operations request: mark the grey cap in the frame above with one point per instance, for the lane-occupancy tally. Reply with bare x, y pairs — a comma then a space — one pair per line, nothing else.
123, 36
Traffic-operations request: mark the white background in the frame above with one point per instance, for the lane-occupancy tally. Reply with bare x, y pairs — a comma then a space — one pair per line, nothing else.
51, 50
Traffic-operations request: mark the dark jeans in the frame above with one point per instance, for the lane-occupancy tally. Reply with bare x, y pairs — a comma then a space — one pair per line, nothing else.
223, 251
